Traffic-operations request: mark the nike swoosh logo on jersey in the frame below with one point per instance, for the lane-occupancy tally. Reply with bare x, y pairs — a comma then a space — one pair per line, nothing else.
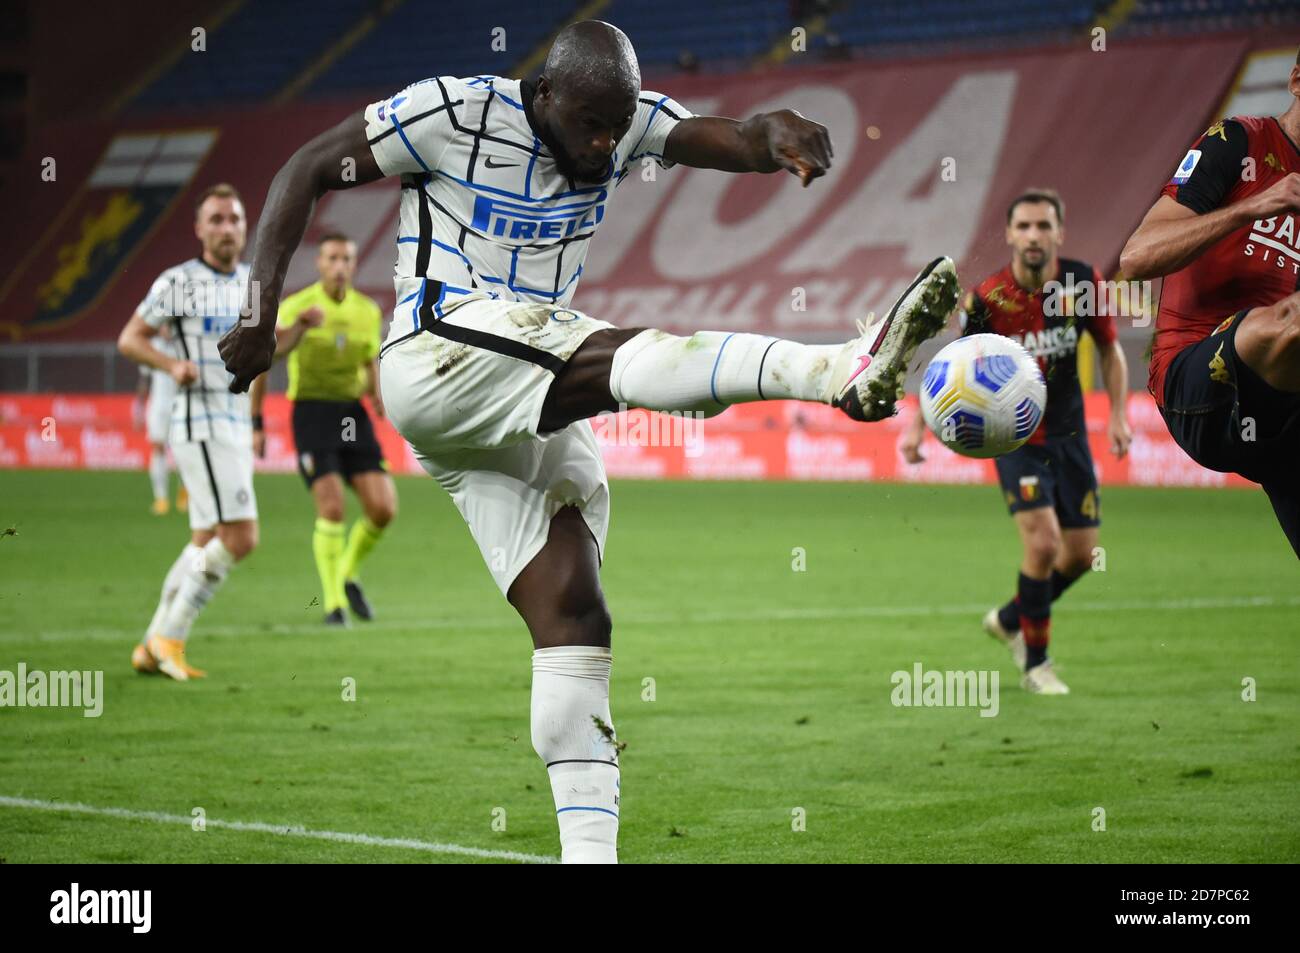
499, 165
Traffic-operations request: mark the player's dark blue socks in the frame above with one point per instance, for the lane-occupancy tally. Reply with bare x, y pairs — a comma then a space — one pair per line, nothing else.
1009, 614
1034, 600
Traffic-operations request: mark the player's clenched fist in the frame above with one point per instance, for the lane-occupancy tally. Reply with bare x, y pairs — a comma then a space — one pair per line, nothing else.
184, 373
798, 144
1281, 196
247, 350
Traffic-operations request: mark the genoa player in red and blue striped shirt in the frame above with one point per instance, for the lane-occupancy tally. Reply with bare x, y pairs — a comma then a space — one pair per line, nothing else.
1045, 303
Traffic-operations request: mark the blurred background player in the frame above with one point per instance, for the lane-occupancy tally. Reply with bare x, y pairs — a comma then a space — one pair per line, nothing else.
1049, 484
330, 332
210, 435
1225, 362
152, 412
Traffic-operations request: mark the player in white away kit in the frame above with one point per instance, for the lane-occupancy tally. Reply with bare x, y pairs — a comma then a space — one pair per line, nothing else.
490, 375
211, 433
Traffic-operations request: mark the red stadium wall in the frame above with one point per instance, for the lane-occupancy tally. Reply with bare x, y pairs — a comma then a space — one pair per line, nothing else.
691, 248
90, 70
779, 440
1105, 129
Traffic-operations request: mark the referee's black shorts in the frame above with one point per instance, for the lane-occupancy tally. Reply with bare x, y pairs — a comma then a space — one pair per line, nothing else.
334, 436
1227, 419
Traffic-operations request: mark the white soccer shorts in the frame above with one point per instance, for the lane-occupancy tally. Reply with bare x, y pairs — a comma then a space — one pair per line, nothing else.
467, 397
218, 475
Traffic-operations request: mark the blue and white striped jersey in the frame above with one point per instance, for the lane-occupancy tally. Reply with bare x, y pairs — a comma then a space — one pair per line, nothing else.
484, 209
201, 304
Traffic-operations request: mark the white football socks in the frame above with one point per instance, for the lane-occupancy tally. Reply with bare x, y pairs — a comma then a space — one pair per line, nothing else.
158, 473
709, 370
171, 583
569, 707
201, 577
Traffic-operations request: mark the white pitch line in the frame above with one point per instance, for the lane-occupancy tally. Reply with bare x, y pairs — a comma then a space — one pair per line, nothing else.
765, 615
281, 830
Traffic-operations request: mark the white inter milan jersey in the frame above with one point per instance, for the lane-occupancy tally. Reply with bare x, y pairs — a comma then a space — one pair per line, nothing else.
200, 304
485, 212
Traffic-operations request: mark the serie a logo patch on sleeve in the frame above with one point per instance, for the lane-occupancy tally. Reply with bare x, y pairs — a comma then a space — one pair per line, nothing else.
1187, 166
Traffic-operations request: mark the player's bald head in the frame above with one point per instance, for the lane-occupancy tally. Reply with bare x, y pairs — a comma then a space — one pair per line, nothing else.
586, 98
592, 58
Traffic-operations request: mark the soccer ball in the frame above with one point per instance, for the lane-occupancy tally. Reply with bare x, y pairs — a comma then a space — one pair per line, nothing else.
983, 395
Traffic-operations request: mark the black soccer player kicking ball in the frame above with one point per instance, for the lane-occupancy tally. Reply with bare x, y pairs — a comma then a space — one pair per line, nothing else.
490, 375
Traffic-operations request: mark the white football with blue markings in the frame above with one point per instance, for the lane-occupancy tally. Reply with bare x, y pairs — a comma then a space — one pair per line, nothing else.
983, 395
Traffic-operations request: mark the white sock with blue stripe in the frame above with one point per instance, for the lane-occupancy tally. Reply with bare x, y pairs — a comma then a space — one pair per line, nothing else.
573, 734
710, 370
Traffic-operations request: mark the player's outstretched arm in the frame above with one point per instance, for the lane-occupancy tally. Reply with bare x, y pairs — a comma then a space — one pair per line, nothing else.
1172, 236
767, 142
339, 158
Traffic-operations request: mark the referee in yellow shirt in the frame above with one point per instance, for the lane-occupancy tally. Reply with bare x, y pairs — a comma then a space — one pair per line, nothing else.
330, 333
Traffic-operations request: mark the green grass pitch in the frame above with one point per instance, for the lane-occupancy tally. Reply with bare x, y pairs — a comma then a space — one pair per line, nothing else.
771, 686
